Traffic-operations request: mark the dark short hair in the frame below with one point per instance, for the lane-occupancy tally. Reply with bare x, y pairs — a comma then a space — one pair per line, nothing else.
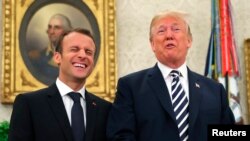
78, 30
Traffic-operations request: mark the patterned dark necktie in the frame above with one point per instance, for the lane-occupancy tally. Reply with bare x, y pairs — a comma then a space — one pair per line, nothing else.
77, 118
180, 105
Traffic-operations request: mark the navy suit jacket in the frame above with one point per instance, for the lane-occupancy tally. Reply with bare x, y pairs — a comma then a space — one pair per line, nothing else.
142, 110
41, 116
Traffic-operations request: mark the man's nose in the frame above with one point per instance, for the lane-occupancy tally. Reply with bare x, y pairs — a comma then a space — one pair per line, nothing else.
169, 35
81, 53
51, 30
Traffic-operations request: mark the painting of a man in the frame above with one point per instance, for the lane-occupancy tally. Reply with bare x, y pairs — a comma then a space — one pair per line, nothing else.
58, 24
40, 28
43, 59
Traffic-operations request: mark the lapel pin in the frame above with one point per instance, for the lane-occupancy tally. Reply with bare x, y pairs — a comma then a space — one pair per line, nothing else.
197, 85
93, 103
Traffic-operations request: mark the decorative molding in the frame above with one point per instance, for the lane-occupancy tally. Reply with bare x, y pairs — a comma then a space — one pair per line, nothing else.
7, 49
25, 81
94, 83
96, 4
247, 69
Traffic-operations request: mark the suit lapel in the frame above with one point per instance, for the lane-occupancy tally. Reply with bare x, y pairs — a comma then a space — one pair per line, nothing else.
195, 95
156, 81
92, 108
57, 106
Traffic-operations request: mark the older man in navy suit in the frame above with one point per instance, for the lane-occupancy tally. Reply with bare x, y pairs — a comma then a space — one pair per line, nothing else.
167, 102
52, 113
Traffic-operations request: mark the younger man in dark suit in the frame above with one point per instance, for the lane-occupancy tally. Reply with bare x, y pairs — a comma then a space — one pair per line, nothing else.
47, 114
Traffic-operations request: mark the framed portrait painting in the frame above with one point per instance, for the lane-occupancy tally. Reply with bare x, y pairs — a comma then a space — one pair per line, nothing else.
27, 63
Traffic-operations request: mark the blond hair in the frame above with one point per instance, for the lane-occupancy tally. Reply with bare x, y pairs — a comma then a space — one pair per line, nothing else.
176, 14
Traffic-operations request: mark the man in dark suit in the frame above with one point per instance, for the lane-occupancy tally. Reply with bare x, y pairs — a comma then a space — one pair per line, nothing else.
46, 114
167, 102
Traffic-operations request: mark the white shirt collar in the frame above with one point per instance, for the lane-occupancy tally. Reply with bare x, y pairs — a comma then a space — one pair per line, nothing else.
165, 70
65, 89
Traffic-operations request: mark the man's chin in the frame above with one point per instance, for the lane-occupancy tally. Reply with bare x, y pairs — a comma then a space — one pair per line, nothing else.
82, 77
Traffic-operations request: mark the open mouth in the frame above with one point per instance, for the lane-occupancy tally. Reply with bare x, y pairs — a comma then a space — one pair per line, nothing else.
79, 65
170, 45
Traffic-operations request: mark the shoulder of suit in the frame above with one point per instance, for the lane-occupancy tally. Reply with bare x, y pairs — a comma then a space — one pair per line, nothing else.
137, 73
37, 93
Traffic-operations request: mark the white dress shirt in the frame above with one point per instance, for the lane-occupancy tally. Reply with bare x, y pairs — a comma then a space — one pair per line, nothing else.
68, 102
165, 70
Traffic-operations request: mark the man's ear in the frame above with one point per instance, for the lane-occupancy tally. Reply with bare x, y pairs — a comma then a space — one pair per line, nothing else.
190, 42
152, 45
57, 57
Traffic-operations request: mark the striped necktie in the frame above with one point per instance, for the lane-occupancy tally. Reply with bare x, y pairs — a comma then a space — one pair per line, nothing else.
180, 105
77, 118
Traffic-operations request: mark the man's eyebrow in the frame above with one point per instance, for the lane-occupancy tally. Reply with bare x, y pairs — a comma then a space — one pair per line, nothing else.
57, 26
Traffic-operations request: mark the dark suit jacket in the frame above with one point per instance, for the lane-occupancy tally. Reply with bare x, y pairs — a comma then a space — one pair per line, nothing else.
142, 110
41, 116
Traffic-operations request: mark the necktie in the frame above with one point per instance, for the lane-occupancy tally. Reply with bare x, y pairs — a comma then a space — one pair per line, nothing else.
77, 118
180, 105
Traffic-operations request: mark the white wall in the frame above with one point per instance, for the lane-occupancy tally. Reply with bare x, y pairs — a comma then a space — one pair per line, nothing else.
133, 48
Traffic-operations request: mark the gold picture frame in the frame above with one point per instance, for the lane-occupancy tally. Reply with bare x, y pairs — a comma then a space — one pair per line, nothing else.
19, 76
247, 69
